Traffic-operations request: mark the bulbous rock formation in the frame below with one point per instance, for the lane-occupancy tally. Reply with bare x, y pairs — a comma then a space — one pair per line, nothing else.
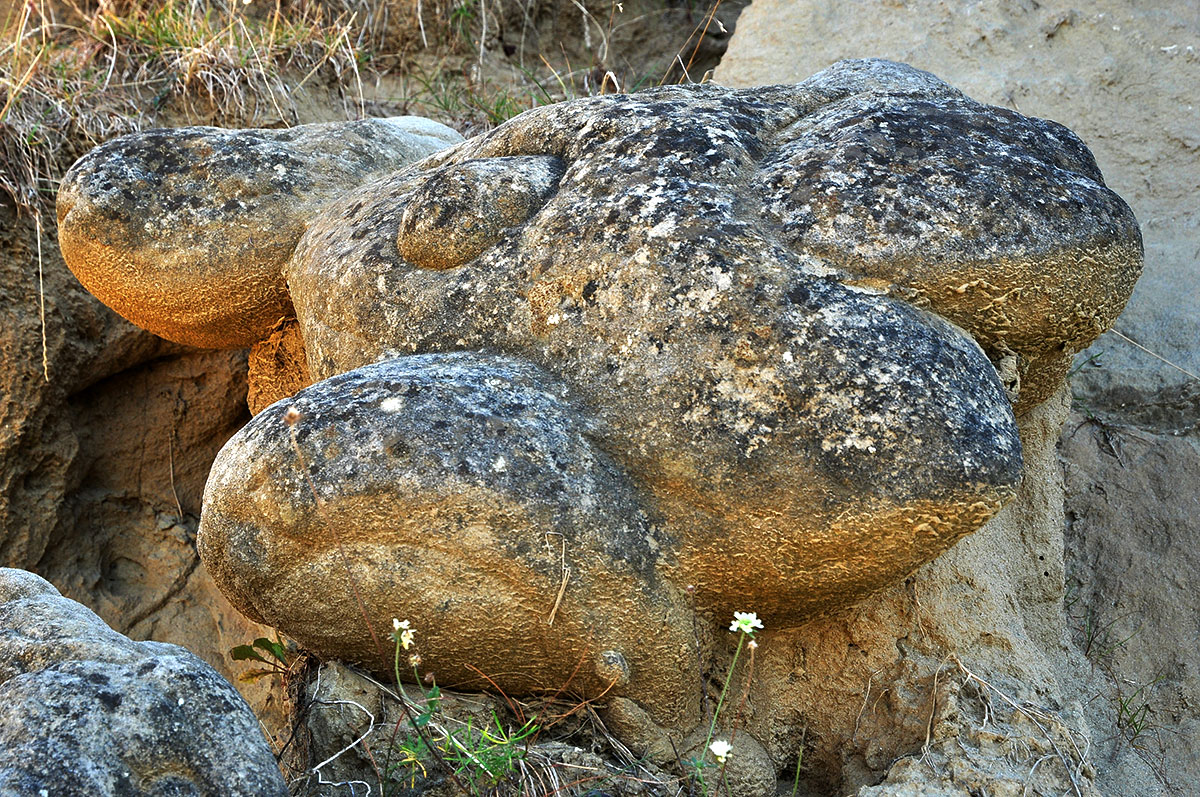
86, 711
635, 356
184, 231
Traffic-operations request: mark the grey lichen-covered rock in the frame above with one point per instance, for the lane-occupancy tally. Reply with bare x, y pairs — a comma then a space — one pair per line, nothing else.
740, 298
760, 346
185, 231
86, 711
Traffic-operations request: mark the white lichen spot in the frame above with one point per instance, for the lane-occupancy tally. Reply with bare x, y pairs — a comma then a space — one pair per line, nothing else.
391, 404
663, 229
500, 465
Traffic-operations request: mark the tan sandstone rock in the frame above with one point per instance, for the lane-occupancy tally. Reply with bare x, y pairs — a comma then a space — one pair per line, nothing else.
663, 331
794, 435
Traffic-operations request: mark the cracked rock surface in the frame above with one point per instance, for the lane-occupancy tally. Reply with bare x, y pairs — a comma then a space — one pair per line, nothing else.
86, 711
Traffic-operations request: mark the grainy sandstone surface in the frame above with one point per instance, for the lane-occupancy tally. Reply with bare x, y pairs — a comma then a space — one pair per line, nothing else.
763, 372
780, 346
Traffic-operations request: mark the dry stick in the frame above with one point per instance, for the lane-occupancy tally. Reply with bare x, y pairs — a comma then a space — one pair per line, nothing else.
972, 676
866, 697
16, 88
362, 102
366, 747
679, 60
483, 11
290, 418
563, 688
37, 221
562, 588
703, 33
262, 67
1032, 769
1133, 342
586, 703
932, 709
171, 472
679, 55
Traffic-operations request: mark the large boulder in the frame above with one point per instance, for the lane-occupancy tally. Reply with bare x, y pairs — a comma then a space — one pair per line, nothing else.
591, 382
86, 711
730, 302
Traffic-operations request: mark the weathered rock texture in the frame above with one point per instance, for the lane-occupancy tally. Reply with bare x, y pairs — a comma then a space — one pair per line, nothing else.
1118, 72
86, 711
184, 231
420, 526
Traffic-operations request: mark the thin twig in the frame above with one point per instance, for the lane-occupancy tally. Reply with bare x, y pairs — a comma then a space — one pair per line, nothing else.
171, 472
562, 588
1134, 343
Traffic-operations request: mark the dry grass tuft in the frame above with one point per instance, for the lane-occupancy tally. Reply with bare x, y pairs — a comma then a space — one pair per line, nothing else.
74, 73
72, 77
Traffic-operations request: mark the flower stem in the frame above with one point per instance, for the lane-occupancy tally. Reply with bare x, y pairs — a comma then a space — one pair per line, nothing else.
712, 728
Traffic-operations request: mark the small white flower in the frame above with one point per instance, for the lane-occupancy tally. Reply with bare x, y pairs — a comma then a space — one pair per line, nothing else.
745, 622
402, 633
721, 749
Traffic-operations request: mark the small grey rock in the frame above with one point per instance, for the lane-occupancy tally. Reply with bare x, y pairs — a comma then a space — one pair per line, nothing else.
86, 711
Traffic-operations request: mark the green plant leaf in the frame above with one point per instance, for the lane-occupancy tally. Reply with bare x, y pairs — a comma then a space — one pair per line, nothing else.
246, 653
273, 648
